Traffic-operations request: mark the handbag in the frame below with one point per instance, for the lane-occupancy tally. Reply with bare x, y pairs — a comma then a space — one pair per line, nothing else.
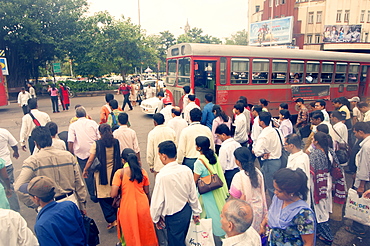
92, 231
284, 153
357, 208
96, 165
200, 234
210, 182
117, 200
341, 150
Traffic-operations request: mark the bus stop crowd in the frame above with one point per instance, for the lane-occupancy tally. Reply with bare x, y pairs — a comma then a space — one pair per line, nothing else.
261, 180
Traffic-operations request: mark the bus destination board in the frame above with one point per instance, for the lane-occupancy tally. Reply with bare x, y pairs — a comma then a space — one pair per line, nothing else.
311, 92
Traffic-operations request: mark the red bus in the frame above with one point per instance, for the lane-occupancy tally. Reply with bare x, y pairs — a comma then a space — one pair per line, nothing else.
278, 75
3, 90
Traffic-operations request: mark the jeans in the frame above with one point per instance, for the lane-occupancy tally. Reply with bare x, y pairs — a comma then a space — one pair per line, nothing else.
13, 200
126, 99
268, 169
54, 102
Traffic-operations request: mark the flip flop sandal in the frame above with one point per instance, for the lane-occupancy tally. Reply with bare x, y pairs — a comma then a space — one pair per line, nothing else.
350, 230
327, 242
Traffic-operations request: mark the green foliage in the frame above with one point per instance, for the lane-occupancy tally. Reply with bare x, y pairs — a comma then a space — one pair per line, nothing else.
79, 86
195, 35
240, 38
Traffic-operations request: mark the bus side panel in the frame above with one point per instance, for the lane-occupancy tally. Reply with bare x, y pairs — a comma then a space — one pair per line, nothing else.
3, 91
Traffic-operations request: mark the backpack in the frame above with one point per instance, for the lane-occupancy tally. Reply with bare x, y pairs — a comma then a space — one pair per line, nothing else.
92, 231
37, 123
114, 122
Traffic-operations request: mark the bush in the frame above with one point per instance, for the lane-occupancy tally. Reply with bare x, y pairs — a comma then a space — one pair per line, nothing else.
79, 86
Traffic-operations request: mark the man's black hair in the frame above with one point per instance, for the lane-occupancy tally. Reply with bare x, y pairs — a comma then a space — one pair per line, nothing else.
41, 135
53, 128
223, 129
240, 107
123, 118
113, 103
32, 103
195, 115
265, 117
159, 118
168, 148
109, 97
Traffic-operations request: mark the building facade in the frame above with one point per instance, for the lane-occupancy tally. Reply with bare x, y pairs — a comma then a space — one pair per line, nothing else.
338, 25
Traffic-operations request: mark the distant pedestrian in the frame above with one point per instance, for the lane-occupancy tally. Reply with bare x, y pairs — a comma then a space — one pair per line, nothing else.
342, 104
167, 110
240, 123
159, 134
256, 128
286, 126
54, 94
133, 95
125, 89
31, 90
113, 115
191, 105
303, 116
185, 97
57, 223
264, 103
321, 105
105, 109
23, 97
174, 214
29, 122
207, 113
357, 115
177, 123
64, 96
220, 118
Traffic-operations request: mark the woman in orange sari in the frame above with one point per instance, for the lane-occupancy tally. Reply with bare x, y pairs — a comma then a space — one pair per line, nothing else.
135, 226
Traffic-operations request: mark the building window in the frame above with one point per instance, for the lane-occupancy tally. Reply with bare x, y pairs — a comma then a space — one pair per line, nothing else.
346, 16
318, 16
277, 2
317, 38
362, 16
309, 39
310, 17
270, 3
282, 1
257, 8
339, 15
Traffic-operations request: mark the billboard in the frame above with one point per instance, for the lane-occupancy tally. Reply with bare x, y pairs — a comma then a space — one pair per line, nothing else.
4, 66
311, 92
276, 31
342, 33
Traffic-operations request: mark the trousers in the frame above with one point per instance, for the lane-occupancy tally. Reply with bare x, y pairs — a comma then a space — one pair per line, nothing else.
268, 169
177, 226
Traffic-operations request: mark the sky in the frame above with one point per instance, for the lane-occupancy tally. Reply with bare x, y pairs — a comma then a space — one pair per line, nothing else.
218, 18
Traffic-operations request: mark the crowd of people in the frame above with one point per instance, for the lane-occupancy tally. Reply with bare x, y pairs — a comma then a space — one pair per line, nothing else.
277, 179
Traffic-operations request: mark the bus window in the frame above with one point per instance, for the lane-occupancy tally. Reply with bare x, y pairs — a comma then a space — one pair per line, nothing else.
171, 71
296, 71
239, 71
184, 72
279, 71
340, 74
222, 70
327, 72
260, 69
363, 73
353, 72
312, 72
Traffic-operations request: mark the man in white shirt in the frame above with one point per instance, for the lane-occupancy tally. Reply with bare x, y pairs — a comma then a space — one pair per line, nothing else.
236, 221
297, 158
28, 124
7, 139
172, 208
256, 128
166, 111
364, 108
320, 105
31, 90
23, 97
226, 155
357, 115
362, 181
340, 130
126, 136
81, 135
57, 143
187, 153
268, 147
240, 123
191, 105
156, 136
185, 98
177, 123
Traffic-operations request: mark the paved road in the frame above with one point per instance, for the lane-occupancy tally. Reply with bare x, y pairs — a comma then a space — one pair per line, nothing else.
10, 119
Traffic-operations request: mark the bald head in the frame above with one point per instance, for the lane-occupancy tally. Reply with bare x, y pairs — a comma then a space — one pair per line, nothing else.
237, 217
176, 111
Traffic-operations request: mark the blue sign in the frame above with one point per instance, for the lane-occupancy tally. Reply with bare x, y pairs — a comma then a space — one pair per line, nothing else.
4, 66
276, 31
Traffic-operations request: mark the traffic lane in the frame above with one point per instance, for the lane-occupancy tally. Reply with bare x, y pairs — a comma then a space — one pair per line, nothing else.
11, 119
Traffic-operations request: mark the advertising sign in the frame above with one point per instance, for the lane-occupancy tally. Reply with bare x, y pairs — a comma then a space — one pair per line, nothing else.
276, 31
311, 92
4, 66
342, 33
57, 68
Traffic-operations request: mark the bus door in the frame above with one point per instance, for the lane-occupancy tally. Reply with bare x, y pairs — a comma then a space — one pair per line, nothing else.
364, 90
204, 78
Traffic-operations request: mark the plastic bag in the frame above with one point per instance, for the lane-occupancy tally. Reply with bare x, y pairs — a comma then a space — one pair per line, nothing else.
201, 234
357, 209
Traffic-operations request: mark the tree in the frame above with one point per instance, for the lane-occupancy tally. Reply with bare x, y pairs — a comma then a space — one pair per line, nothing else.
240, 38
33, 31
195, 35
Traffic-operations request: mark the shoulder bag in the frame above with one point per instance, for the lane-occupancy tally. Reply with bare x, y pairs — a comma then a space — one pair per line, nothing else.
117, 200
284, 153
341, 150
210, 182
37, 123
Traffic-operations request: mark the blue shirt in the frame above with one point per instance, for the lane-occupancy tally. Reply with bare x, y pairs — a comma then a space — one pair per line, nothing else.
60, 224
207, 115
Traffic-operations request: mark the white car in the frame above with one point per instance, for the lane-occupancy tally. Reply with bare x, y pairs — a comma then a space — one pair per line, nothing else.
150, 106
